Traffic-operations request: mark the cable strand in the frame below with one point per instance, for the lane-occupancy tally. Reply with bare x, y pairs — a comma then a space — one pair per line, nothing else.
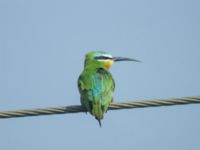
113, 106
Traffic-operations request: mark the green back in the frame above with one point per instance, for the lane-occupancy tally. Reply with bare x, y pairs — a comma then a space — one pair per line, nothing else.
96, 87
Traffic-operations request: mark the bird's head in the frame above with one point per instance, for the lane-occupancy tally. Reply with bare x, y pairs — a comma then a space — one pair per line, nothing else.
103, 59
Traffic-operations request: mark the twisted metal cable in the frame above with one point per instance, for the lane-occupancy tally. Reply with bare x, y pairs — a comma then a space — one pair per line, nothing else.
113, 106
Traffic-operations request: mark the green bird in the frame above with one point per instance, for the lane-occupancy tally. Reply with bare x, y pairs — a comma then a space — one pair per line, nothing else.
96, 84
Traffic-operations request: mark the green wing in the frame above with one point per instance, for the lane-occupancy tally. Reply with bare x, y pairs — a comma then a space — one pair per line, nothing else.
96, 89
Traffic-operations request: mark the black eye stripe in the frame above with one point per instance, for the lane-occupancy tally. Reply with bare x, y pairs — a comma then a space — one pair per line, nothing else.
102, 57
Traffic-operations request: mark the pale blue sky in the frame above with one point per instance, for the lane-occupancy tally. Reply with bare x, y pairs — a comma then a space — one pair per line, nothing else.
42, 49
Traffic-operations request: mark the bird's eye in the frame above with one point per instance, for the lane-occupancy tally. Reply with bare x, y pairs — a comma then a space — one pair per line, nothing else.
102, 58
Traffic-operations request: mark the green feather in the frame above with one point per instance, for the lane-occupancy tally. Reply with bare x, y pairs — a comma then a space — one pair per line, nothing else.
96, 84
96, 87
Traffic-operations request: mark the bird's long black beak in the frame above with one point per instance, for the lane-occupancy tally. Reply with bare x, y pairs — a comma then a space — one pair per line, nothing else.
125, 59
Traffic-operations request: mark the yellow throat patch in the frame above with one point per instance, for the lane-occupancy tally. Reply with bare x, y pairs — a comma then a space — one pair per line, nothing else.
108, 64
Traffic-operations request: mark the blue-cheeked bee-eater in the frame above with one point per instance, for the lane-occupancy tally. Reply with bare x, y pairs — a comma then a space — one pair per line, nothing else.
96, 84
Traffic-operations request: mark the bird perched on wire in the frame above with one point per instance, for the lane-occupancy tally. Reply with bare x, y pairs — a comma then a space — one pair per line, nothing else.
96, 84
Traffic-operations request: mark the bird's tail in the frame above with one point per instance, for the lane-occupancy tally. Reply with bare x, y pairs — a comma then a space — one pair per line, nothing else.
97, 111
99, 120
